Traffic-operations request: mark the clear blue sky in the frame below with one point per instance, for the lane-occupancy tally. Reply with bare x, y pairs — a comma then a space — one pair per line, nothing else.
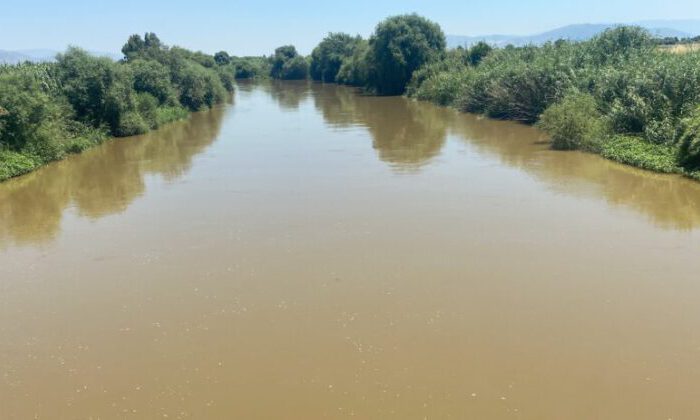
258, 26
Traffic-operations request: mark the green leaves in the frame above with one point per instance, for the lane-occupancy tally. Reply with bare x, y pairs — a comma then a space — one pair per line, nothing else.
400, 46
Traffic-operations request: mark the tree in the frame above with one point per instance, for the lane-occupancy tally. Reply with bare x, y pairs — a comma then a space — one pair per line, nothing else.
147, 47
355, 69
133, 46
152, 77
295, 69
287, 64
282, 55
152, 41
222, 58
478, 52
400, 45
329, 55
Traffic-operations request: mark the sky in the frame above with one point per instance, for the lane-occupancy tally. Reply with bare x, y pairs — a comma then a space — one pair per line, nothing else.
256, 27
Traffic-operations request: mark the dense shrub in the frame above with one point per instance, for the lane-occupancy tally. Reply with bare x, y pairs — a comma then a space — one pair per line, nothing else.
199, 87
399, 46
478, 52
690, 141
30, 115
329, 55
153, 77
574, 123
355, 69
282, 56
222, 58
637, 103
635, 151
251, 67
295, 69
50, 109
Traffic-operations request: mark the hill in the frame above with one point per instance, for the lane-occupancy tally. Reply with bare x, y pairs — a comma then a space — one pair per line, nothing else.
579, 32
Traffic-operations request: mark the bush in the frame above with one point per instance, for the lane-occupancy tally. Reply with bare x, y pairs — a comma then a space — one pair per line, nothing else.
199, 87
31, 117
355, 69
689, 153
478, 52
444, 87
169, 114
14, 164
401, 45
295, 69
51, 109
282, 56
574, 123
147, 106
88, 84
637, 152
227, 75
154, 78
329, 55
251, 67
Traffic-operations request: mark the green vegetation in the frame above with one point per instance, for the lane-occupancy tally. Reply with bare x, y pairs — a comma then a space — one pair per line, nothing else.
287, 64
385, 63
401, 45
618, 95
50, 110
574, 123
251, 67
329, 55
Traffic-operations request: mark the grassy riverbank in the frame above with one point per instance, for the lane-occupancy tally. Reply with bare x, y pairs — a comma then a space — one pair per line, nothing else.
50, 110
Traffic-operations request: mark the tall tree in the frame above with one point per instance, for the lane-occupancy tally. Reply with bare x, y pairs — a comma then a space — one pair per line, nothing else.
400, 45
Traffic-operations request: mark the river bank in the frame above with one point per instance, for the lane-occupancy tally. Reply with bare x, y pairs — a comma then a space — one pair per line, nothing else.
617, 94
51, 110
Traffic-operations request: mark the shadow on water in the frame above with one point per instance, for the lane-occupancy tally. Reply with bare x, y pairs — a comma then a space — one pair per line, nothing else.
406, 134
668, 201
102, 181
289, 95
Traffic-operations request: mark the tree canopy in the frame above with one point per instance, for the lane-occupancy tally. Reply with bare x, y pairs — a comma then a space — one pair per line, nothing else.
399, 46
329, 55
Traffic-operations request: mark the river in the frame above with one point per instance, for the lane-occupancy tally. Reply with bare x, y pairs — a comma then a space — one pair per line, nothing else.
309, 252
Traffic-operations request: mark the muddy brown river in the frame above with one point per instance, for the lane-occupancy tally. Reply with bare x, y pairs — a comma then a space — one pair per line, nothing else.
308, 252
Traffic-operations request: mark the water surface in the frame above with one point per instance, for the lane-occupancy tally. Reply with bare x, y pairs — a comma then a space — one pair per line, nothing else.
309, 252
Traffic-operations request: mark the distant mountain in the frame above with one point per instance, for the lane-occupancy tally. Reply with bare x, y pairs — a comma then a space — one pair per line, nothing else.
580, 32
43, 55
691, 27
12, 57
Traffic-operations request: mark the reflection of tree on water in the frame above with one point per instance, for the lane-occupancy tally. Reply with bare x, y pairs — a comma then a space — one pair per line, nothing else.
104, 180
288, 94
669, 201
408, 134
405, 134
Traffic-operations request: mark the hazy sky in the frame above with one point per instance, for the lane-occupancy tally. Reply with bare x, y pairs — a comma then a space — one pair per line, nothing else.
257, 26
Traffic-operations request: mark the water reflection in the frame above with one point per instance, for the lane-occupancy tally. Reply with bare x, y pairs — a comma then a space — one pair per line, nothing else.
668, 201
287, 94
104, 180
406, 134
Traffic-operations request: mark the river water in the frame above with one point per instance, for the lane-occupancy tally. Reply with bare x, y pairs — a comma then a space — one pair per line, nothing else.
308, 252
